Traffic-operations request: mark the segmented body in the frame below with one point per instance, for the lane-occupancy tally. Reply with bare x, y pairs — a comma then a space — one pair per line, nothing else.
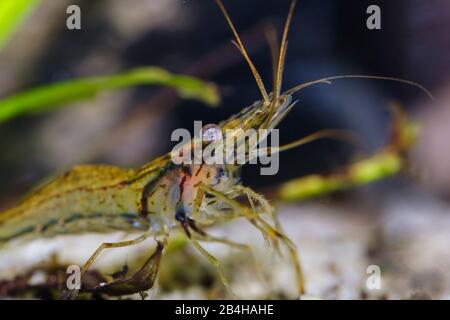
102, 199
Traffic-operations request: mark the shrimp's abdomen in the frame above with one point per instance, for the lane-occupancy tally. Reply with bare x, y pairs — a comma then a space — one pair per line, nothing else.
86, 199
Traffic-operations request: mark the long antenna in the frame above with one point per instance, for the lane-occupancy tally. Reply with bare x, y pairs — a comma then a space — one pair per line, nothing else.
282, 56
338, 134
359, 76
272, 40
241, 48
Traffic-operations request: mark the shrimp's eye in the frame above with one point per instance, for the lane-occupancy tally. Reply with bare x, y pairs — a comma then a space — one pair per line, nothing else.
211, 133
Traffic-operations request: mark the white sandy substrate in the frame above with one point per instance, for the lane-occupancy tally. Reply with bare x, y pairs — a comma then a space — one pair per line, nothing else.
407, 238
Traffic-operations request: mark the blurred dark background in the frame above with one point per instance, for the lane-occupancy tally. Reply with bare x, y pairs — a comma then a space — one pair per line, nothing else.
131, 127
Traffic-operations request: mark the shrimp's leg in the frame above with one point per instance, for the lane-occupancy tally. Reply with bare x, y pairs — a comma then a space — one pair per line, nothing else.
201, 191
266, 207
252, 195
71, 294
110, 245
271, 232
197, 202
292, 249
203, 236
141, 281
240, 246
213, 260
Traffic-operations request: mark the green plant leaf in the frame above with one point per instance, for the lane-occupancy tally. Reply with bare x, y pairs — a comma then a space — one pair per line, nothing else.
47, 97
12, 13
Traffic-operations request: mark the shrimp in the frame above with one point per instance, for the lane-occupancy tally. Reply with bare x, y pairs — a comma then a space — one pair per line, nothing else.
162, 196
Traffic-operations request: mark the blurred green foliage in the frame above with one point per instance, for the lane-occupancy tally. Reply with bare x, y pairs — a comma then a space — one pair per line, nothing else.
12, 13
389, 161
47, 97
